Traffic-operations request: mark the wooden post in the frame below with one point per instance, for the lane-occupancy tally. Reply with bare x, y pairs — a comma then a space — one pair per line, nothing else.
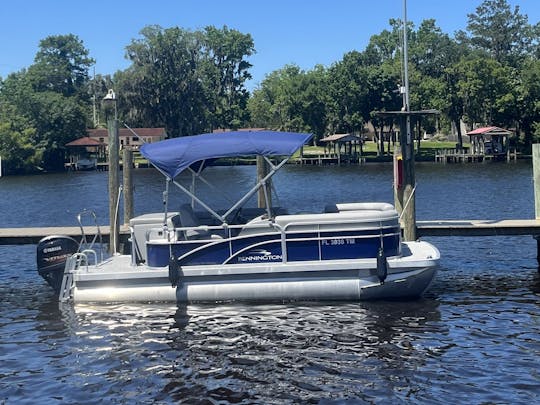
536, 181
128, 184
398, 179
536, 177
114, 175
262, 171
407, 194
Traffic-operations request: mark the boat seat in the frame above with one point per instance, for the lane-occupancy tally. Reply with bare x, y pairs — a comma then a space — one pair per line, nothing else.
188, 219
343, 207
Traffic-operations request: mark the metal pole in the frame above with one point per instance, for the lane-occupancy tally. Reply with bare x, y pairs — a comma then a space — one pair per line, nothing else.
405, 57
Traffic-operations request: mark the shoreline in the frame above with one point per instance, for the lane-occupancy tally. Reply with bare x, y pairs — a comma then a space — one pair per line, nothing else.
366, 160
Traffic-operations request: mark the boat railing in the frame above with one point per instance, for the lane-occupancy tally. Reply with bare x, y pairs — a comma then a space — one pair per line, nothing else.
284, 233
232, 230
324, 226
86, 243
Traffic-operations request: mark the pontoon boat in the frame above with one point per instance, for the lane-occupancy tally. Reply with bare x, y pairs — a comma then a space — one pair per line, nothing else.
350, 251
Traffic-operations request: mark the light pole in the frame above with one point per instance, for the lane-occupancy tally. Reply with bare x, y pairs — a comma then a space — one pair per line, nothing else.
109, 103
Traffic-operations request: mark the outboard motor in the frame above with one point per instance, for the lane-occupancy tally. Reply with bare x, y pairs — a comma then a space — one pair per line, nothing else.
52, 254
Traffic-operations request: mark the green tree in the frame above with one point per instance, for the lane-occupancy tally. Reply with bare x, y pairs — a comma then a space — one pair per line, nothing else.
57, 120
61, 66
17, 147
383, 95
278, 102
488, 91
315, 99
17, 150
187, 81
502, 32
431, 51
293, 100
529, 103
452, 104
226, 74
348, 91
433, 56
163, 86
385, 46
48, 104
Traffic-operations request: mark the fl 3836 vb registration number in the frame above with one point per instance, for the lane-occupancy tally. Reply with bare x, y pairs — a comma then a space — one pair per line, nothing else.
338, 241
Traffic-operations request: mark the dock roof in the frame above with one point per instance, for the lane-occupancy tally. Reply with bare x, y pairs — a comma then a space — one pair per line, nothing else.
84, 141
341, 138
489, 131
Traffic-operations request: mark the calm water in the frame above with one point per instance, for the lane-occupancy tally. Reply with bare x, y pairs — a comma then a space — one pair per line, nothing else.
474, 338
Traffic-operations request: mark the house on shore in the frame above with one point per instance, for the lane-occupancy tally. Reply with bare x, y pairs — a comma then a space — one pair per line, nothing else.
127, 138
90, 152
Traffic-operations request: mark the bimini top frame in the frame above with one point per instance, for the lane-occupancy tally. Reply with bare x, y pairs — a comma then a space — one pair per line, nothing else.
172, 156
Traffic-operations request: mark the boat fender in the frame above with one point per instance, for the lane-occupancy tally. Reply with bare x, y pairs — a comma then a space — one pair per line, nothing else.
382, 265
174, 273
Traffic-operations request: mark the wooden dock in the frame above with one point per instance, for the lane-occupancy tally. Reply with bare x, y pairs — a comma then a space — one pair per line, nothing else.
464, 156
478, 227
324, 160
31, 236
24, 236
104, 166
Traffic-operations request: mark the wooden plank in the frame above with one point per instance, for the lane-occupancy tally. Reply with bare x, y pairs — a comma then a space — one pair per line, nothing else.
478, 227
22, 236
25, 236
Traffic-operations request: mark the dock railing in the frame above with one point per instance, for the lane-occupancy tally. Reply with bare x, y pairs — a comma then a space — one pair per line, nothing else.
464, 155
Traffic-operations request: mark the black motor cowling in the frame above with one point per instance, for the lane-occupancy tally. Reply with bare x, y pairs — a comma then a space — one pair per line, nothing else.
52, 254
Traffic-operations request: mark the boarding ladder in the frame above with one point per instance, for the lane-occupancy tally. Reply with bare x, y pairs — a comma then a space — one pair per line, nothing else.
88, 247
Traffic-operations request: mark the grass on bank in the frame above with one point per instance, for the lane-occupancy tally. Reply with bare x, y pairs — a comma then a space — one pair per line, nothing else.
428, 150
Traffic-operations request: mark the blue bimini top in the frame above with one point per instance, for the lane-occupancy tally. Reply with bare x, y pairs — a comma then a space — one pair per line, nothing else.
172, 156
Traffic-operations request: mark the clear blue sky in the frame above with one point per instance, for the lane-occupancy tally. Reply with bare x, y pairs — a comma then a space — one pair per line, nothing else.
304, 32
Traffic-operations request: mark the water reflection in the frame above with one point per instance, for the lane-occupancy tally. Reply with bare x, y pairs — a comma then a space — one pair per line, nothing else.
296, 352
266, 353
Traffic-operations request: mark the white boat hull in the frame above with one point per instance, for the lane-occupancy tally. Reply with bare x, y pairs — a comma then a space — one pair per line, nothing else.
118, 280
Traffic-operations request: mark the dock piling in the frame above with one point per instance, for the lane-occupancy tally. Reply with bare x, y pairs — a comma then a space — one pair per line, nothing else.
127, 171
536, 181
113, 182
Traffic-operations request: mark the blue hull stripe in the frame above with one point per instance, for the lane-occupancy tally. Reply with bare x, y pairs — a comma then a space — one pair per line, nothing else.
268, 248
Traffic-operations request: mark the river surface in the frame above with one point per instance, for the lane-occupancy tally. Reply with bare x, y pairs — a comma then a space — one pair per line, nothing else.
473, 338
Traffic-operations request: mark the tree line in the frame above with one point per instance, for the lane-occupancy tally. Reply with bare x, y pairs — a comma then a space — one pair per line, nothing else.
195, 81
